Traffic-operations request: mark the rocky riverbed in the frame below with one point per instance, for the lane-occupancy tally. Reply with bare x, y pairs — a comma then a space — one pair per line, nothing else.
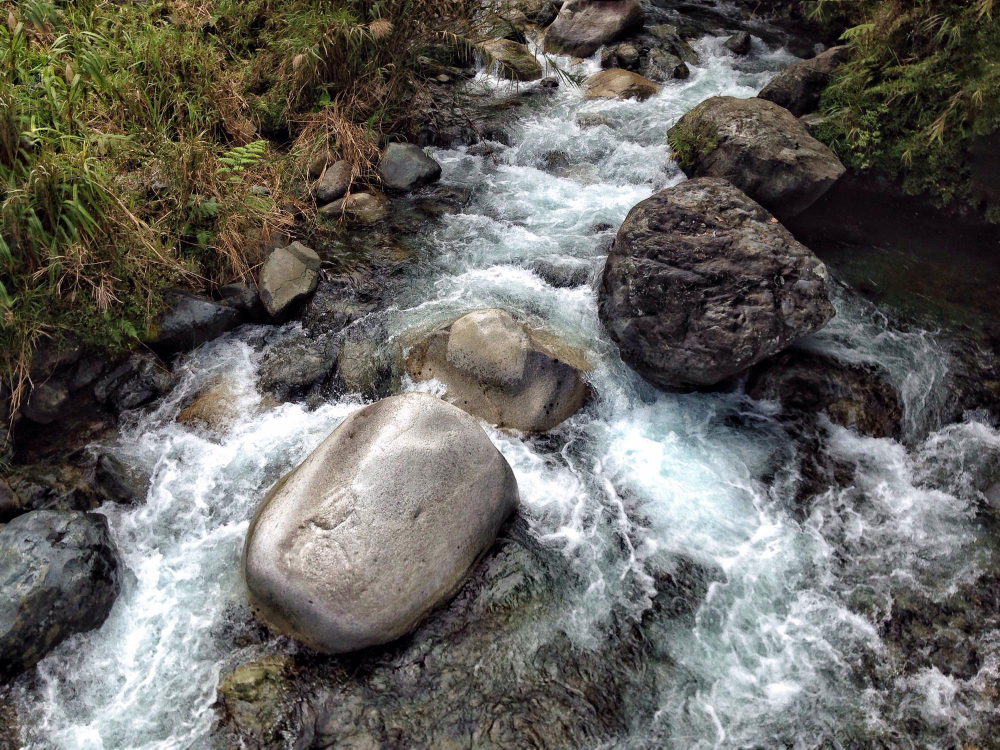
756, 497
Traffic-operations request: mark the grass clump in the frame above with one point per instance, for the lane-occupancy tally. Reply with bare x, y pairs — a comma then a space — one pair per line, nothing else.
152, 145
923, 82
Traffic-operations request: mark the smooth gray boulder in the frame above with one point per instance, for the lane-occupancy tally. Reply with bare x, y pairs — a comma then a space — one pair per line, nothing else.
59, 575
288, 279
515, 60
759, 147
358, 209
584, 26
503, 372
382, 523
798, 87
702, 283
406, 167
334, 183
191, 321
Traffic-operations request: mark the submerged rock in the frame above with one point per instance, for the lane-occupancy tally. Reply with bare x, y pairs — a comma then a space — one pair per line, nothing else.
59, 575
298, 368
759, 147
502, 371
406, 167
379, 525
515, 60
253, 695
288, 279
118, 482
619, 84
851, 395
702, 283
798, 87
583, 26
214, 408
740, 43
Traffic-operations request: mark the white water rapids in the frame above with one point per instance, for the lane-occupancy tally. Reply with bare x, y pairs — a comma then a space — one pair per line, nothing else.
779, 653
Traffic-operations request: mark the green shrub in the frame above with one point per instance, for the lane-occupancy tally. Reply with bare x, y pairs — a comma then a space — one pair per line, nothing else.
923, 81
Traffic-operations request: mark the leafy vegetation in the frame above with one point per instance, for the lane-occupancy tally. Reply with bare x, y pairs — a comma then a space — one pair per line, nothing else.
155, 144
689, 144
922, 83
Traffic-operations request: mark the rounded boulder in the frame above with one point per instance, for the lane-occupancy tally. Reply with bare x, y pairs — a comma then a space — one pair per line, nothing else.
382, 523
503, 372
702, 282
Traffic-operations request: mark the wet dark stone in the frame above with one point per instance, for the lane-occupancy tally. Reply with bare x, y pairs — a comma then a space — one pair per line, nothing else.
137, 381
59, 575
58, 487
299, 368
806, 384
118, 482
191, 321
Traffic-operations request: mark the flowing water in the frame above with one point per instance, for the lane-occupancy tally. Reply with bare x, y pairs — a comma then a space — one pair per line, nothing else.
784, 651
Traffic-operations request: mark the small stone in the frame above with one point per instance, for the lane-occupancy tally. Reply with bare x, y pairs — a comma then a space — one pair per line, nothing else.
118, 482
334, 183
739, 44
406, 167
619, 84
358, 209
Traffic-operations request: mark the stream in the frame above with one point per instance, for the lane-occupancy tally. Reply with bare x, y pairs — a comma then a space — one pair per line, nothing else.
786, 648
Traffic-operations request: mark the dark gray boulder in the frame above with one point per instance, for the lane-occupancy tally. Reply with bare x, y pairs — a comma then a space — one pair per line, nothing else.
740, 43
382, 523
807, 384
10, 504
140, 379
246, 299
118, 482
798, 87
702, 282
406, 167
49, 487
583, 26
299, 368
191, 321
59, 575
334, 183
759, 147
288, 279
47, 402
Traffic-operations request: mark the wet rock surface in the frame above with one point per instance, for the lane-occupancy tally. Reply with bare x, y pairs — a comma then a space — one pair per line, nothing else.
619, 84
514, 59
378, 526
334, 183
503, 372
702, 283
358, 209
49, 487
191, 321
59, 575
406, 167
807, 384
484, 671
583, 26
761, 148
288, 279
798, 87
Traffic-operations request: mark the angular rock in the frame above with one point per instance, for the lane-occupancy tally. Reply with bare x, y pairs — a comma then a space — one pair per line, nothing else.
10, 504
191, 321
47, 402
358, 209
702, 283
806, 384
661, 65
739, 44
798, 87
288, 279
502, 371
405, 167
624, 55
619, 84
117, 482
44, 487
59, 575
246, 299
379, 525
583, 26
515, 60
253, 695
298, 368
135, 382
334, 183
759, 147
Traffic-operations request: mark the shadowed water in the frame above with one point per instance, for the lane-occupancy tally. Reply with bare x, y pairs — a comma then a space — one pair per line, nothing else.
786, 648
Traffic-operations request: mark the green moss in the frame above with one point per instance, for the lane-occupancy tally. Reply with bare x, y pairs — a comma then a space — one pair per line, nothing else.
688, 145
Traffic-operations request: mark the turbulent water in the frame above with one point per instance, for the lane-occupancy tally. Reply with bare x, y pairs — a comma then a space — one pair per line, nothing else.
784, 651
